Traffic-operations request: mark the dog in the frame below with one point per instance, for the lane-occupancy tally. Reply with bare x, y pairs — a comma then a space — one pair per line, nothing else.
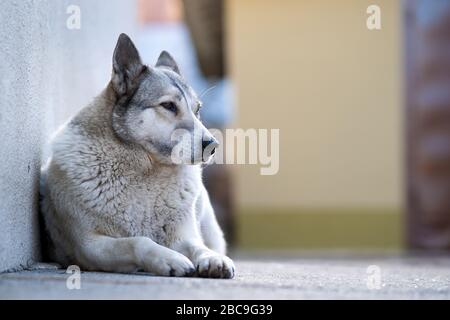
114, 196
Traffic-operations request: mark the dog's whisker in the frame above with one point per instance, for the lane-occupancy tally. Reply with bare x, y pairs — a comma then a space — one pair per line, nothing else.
207, 90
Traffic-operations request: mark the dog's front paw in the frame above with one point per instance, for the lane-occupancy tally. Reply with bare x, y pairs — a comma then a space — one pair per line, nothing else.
173, 264
215, 266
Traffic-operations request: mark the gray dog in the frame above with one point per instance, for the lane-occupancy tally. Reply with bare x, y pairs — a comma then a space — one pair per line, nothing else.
116, 195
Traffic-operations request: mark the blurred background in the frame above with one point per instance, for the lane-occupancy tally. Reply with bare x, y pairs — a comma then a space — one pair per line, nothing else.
364, 115
333, 88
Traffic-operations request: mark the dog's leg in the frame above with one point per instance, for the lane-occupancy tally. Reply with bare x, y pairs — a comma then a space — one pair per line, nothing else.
207, 262
211, 232
129, 254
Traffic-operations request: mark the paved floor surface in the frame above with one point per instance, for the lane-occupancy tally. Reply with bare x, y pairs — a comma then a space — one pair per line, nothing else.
333, 276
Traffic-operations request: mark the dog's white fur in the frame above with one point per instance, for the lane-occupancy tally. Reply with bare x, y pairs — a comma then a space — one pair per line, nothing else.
112, 206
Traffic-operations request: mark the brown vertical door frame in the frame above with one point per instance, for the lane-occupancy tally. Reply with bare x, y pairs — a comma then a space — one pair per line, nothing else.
427, 72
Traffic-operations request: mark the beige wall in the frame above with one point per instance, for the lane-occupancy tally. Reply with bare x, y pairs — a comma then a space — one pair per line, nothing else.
313, 69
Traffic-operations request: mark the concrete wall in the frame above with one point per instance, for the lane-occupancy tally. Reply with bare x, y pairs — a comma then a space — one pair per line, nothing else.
47, 72
333, 88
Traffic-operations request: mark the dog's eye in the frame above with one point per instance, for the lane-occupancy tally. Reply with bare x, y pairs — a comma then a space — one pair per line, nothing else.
170, 106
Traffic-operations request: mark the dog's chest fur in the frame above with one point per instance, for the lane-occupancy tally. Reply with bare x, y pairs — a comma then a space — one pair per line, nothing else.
156, 205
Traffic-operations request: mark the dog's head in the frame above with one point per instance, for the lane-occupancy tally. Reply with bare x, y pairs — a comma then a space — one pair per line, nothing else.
156, 109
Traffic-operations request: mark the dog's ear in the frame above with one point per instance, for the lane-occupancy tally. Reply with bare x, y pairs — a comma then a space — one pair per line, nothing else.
127, 66
166, 60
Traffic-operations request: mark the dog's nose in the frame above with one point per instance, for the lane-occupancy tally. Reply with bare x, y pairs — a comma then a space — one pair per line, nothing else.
211, 144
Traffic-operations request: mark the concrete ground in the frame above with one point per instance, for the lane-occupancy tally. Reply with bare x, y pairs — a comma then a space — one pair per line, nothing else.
301, 276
